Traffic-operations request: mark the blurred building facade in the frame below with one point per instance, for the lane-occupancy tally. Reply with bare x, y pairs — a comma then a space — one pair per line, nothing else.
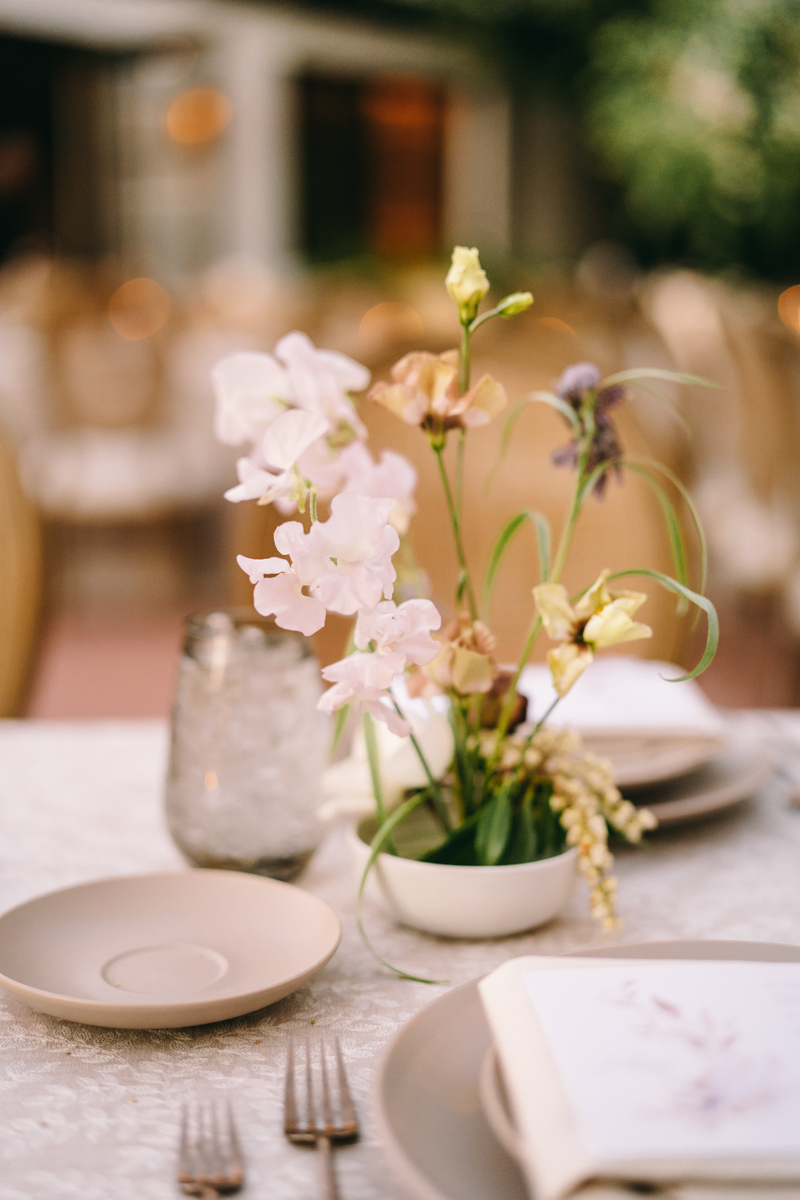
187, 130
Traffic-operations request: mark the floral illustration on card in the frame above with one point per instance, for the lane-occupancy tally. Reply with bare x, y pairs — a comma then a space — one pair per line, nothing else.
718, 1075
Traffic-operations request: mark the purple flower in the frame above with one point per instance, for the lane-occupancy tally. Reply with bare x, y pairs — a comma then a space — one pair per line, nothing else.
576, 380
578, 387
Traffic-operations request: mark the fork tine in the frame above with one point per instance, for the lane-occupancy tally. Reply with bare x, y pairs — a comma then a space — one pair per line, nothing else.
235, 1162
327, 1114
215, 1153
209, 1154
348, 1108
184, 1165
311, 1108
290, 1101
202, 1163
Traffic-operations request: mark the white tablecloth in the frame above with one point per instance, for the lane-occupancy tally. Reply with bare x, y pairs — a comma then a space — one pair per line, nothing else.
93, 1113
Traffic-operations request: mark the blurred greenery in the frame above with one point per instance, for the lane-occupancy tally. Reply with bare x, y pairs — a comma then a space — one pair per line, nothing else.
688, 110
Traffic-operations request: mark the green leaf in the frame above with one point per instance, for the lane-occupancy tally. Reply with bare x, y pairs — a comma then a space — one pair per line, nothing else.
461, 584
338, 730
680, 486
376, 845
505, 438
561, 406
458, 849
672, 585
636, 373
542, 526
522, 843
670, 404
674, 532
494, 826
555, 402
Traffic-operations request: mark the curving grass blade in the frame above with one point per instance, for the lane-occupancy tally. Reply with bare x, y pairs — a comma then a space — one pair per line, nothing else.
702, 602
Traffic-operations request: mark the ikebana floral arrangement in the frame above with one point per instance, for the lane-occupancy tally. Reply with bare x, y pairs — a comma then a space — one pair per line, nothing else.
514, 789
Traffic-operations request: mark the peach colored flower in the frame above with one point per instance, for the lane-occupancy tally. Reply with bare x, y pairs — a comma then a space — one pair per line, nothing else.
425, 392
464, 664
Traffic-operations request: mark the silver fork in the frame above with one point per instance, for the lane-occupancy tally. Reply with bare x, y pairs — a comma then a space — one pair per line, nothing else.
337, 1122
209, 1158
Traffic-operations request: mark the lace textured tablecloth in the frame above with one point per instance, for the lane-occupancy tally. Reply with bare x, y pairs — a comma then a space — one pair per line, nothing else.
93, 1113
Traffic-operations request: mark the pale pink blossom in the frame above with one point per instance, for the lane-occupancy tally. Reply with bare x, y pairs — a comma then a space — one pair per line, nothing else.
392, 476
402, 629
282, 596
362, 680
251, 390
345, 562
321, 463
321, 379
289, 436
358, 544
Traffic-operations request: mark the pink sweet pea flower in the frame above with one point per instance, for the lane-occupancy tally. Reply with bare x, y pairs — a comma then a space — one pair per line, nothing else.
251, 390
402, 629
288, 437
282, 596
358, 544
345, 562
393, 476
362, 680
321, 379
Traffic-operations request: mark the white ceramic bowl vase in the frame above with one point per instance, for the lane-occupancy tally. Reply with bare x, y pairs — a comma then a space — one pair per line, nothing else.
468, 902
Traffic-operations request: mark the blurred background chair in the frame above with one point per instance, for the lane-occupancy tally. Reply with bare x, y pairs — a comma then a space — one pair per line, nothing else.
21, 591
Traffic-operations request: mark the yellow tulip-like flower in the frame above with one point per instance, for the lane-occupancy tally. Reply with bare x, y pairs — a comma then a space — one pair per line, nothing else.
599, 618
466, 282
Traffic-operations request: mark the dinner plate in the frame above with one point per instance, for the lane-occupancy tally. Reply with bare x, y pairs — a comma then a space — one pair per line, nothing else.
727, 780
642, 759
164, 951
427, 1090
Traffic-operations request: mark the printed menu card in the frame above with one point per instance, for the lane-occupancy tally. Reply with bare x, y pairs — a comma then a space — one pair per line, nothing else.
646, 1071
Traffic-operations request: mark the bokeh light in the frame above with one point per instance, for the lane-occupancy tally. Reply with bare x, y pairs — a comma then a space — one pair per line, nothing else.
139, 309
198, 115
389, 322
789, 308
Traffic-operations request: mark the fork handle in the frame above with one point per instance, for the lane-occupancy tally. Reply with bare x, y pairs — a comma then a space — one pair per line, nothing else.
325, 1147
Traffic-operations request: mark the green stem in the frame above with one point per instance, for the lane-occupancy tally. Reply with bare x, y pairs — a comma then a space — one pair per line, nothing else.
382, 836
373, 757
438, 798
463, 361
542, 719
553, 577
574, 513
473, 608
312, 503
462, 438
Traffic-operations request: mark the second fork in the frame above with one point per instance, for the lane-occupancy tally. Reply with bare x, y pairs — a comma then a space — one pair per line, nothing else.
328, 1115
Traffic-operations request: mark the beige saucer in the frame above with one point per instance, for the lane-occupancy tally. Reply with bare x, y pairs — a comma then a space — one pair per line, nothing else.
164, 951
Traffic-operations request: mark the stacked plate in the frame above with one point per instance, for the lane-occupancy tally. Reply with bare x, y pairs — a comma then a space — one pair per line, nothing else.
669, 747
681, 777
441, 1113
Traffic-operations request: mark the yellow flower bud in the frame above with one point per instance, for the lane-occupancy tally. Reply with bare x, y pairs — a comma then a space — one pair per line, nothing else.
466, 282
514, 304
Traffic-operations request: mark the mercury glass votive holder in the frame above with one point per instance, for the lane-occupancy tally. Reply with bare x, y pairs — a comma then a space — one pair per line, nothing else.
244, 784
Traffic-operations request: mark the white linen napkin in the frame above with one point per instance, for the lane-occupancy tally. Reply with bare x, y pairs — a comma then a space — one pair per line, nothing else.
620, 693
685, 1074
